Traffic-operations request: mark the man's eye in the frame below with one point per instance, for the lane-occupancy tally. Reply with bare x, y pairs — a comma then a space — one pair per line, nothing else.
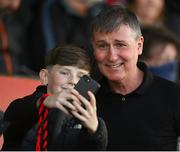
102, 46
119, 45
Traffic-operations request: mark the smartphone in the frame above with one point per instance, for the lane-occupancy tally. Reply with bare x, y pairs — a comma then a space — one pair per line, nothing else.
85, 84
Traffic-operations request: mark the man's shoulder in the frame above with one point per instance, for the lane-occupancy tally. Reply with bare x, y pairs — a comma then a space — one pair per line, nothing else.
168, 89
166, 83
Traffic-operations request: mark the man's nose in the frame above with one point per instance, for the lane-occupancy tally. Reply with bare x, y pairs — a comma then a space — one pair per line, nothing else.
112, 55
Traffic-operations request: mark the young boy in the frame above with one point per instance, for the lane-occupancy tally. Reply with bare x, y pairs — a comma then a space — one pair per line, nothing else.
71, 126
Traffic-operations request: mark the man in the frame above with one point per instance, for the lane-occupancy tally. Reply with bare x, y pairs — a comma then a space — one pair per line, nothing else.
141, 111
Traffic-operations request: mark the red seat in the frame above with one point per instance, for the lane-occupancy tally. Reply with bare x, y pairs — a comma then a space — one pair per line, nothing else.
15, 87
12, 88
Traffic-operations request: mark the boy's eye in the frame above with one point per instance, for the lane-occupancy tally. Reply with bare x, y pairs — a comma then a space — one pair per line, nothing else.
79, 76
64, 73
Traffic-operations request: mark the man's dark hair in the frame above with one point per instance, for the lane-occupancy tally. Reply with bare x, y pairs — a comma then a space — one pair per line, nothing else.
111, 18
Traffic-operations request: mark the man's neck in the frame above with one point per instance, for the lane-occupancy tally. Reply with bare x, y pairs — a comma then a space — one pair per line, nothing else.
128, 85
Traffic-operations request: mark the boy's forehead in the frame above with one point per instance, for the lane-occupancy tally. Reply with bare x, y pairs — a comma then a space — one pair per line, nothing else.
70, 68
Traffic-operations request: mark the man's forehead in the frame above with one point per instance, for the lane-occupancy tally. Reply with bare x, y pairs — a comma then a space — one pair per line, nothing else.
123, 30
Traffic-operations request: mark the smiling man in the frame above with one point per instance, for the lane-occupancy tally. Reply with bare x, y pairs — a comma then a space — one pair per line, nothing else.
141, 111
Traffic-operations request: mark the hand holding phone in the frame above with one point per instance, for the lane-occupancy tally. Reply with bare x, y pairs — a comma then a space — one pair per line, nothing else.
85, 84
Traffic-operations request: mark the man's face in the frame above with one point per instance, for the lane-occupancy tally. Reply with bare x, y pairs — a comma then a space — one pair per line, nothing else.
117, 52
9, 5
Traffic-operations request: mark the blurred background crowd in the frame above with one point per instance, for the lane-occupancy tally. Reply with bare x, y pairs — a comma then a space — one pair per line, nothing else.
29, 29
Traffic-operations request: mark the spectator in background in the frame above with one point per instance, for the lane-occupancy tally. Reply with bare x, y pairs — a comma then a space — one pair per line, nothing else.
149, 12
62, 22
161, 52
172, 19
14, 21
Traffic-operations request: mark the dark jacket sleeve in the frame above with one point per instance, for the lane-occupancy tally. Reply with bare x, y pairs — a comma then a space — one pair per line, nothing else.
29, 141
55, 121
96, 141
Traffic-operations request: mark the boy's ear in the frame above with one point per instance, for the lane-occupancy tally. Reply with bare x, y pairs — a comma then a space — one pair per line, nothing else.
43, 75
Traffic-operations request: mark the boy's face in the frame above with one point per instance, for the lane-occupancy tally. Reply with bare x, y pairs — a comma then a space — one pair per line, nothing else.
59, 77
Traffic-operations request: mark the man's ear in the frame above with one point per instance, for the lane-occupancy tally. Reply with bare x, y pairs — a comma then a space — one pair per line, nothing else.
43, 75
140, 45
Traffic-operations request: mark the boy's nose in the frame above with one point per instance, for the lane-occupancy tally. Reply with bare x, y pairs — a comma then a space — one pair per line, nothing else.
73, 80
71, 85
